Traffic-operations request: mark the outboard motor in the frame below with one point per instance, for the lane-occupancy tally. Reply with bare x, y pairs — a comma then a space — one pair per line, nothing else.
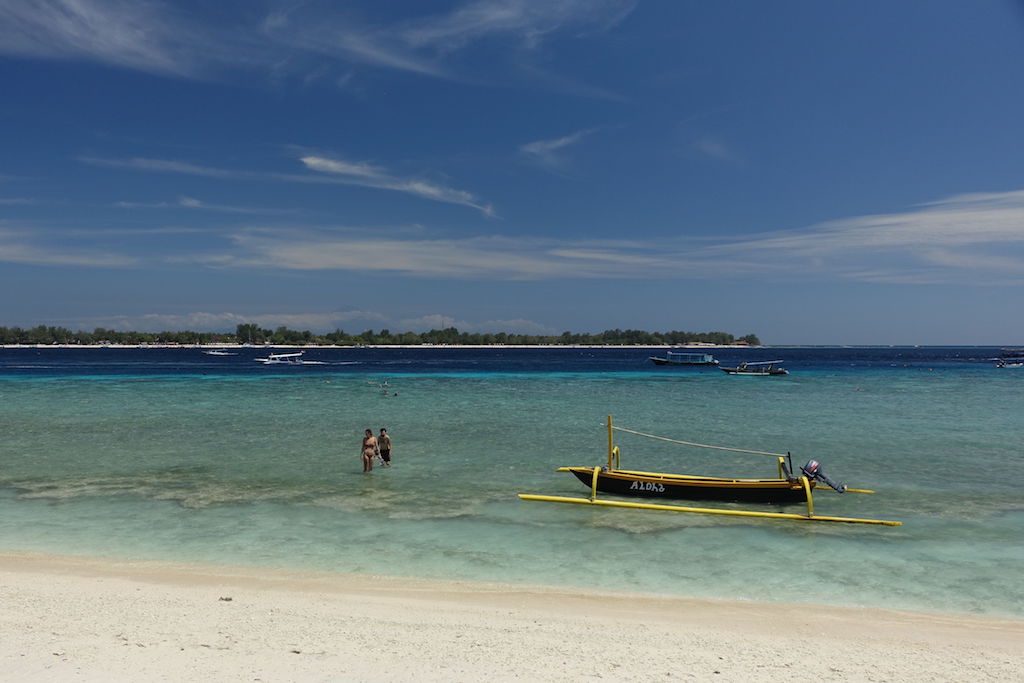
812, 470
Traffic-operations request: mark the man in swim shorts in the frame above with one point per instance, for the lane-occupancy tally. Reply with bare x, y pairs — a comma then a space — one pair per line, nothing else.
384, 443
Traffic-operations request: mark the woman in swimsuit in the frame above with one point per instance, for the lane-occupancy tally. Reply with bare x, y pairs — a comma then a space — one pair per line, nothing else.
369, 450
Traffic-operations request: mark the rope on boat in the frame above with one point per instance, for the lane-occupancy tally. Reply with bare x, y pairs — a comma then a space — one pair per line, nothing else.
698, 445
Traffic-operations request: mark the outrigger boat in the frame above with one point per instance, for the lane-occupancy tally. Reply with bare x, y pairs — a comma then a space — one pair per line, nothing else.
283, 358
789, 487
763, 368
681, 358
287, 359
1010, 358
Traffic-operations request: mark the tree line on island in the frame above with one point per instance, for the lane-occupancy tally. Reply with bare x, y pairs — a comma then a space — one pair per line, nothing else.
283, 336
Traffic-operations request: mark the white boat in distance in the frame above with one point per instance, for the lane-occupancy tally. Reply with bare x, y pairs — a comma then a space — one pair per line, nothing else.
219, 352
1010, 358
287, 359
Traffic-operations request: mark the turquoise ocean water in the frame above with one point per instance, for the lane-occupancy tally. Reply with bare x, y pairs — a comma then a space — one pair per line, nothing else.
204, 463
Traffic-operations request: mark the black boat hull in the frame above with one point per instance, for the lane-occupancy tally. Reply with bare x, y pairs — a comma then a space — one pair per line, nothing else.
637, 485
755, 373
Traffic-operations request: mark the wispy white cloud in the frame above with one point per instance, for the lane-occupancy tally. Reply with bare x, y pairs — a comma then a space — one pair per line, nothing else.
95, 234
171, 166
344, 81
342, 167
22, 247
193, 203
959, 221
718, 150
968, 237
379, 50
338, 37
547, 152
425, 45
990, 262
328, 171
156, 37
963, 239
370, 176
310, 40
16, 201
528, 21
469, 258
134, 34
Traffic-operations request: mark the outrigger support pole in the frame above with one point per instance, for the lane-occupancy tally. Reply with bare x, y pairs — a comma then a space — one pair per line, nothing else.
706, 511
810, 497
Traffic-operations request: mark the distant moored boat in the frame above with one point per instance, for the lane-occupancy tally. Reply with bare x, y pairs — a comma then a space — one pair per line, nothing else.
282, 359
289, 359
1010, 358
759, 369
682, 358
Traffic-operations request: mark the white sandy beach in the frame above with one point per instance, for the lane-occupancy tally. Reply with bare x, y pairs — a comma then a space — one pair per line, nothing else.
70, 619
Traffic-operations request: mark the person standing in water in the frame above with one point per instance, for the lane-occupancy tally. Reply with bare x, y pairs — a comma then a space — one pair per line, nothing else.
384, 443
369, 450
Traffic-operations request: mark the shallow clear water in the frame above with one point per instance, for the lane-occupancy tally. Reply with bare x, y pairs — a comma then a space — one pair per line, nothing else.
172, 456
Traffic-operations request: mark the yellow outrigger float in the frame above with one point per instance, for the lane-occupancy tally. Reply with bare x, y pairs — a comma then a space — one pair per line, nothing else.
789, 487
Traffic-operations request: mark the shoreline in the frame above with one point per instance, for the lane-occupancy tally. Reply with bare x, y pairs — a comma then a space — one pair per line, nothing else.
235, 347
258, 347
98, 619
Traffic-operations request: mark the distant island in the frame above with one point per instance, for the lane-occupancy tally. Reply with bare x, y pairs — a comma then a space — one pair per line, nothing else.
283, 336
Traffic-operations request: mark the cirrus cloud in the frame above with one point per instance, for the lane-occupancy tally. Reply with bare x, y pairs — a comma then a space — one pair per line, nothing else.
309, 40
327, 171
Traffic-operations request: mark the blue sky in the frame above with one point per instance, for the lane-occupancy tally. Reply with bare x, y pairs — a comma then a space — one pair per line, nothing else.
812, 172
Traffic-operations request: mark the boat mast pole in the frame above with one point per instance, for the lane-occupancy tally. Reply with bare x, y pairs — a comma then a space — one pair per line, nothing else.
610, 439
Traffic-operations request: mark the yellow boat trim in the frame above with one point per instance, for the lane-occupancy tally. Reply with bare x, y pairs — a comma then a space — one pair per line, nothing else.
707, 511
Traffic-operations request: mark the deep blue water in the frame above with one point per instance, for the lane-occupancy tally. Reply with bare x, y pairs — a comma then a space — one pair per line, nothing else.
120, 361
